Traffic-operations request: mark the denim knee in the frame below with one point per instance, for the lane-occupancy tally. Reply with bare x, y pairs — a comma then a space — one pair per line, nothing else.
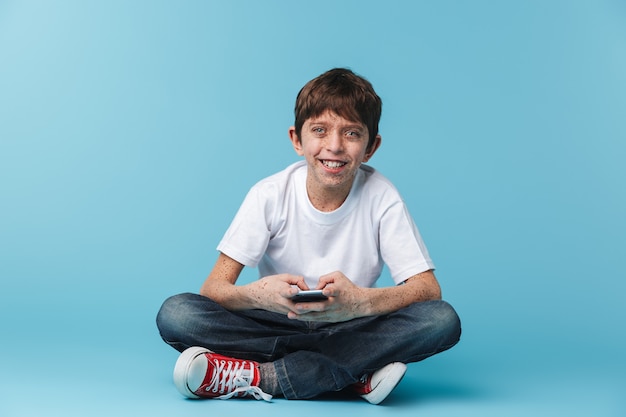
436, 318
448, 322
171, 316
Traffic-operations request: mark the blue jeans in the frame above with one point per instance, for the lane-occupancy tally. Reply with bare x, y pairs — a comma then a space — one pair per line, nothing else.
310, 358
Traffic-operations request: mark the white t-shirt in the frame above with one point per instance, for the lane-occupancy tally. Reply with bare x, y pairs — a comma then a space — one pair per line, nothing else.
278, 229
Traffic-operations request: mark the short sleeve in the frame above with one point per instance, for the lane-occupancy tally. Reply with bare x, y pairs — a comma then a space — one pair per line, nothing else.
248, 235
401, 244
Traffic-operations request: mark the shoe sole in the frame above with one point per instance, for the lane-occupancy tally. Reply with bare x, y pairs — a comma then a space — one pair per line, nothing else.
181, 370
393, 375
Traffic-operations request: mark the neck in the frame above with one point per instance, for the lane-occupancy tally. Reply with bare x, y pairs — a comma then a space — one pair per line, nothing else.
326, 200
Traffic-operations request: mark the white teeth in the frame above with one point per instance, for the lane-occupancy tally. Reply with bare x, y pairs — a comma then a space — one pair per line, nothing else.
333, 164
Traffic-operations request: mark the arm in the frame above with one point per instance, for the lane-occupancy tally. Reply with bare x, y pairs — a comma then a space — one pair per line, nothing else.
420, 287
269, 293
347, 301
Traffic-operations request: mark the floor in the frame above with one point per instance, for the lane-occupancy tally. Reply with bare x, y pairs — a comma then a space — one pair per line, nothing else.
85, 372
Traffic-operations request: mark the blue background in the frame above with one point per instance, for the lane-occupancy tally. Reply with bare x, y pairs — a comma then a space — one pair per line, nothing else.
131, 130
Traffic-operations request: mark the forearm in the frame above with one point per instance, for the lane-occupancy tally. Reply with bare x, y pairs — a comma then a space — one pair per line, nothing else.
421, 287
270, 293
220, 285
230, 296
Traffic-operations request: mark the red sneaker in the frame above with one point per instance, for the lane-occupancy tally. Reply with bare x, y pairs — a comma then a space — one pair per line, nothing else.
200, 373
375, 387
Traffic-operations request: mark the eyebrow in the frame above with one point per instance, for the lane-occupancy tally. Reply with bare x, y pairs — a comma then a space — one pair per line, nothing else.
350, 125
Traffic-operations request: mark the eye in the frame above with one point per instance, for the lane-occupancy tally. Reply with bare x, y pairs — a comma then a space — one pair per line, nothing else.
318, 130
353, 134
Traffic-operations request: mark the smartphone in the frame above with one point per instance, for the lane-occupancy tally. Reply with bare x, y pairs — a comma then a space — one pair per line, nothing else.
309, 296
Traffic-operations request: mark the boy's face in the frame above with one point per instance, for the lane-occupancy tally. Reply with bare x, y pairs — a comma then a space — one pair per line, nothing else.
334, 148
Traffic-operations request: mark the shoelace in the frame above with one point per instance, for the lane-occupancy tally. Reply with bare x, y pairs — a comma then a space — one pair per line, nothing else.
363, 379
362, 386
231, 378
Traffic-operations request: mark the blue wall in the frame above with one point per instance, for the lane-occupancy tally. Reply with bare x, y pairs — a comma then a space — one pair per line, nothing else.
130, 132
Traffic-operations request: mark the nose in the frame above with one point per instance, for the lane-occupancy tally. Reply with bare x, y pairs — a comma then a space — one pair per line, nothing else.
334, 142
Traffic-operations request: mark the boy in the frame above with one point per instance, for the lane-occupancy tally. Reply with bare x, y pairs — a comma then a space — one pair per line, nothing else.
326, 223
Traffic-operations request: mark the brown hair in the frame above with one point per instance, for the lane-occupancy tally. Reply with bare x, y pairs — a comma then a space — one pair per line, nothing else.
343, 92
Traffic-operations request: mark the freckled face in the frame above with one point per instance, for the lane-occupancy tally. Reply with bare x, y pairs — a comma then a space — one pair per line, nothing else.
334, 148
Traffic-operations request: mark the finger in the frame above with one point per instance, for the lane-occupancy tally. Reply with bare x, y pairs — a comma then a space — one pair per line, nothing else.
324, 281
332, 278
289, 293
329, 289
298, 281
312, 316
310, 307
302, 317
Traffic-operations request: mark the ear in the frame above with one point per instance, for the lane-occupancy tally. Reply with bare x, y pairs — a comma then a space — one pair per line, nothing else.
295, 141
375, 145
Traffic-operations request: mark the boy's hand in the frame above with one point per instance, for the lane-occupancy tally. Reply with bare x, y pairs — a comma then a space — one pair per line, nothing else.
273, 293
346, 301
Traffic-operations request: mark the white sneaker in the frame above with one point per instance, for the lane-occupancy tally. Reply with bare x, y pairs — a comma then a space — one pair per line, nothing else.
375, 387
200, 373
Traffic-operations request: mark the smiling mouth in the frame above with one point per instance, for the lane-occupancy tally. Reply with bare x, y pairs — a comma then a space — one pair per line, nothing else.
333, 164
